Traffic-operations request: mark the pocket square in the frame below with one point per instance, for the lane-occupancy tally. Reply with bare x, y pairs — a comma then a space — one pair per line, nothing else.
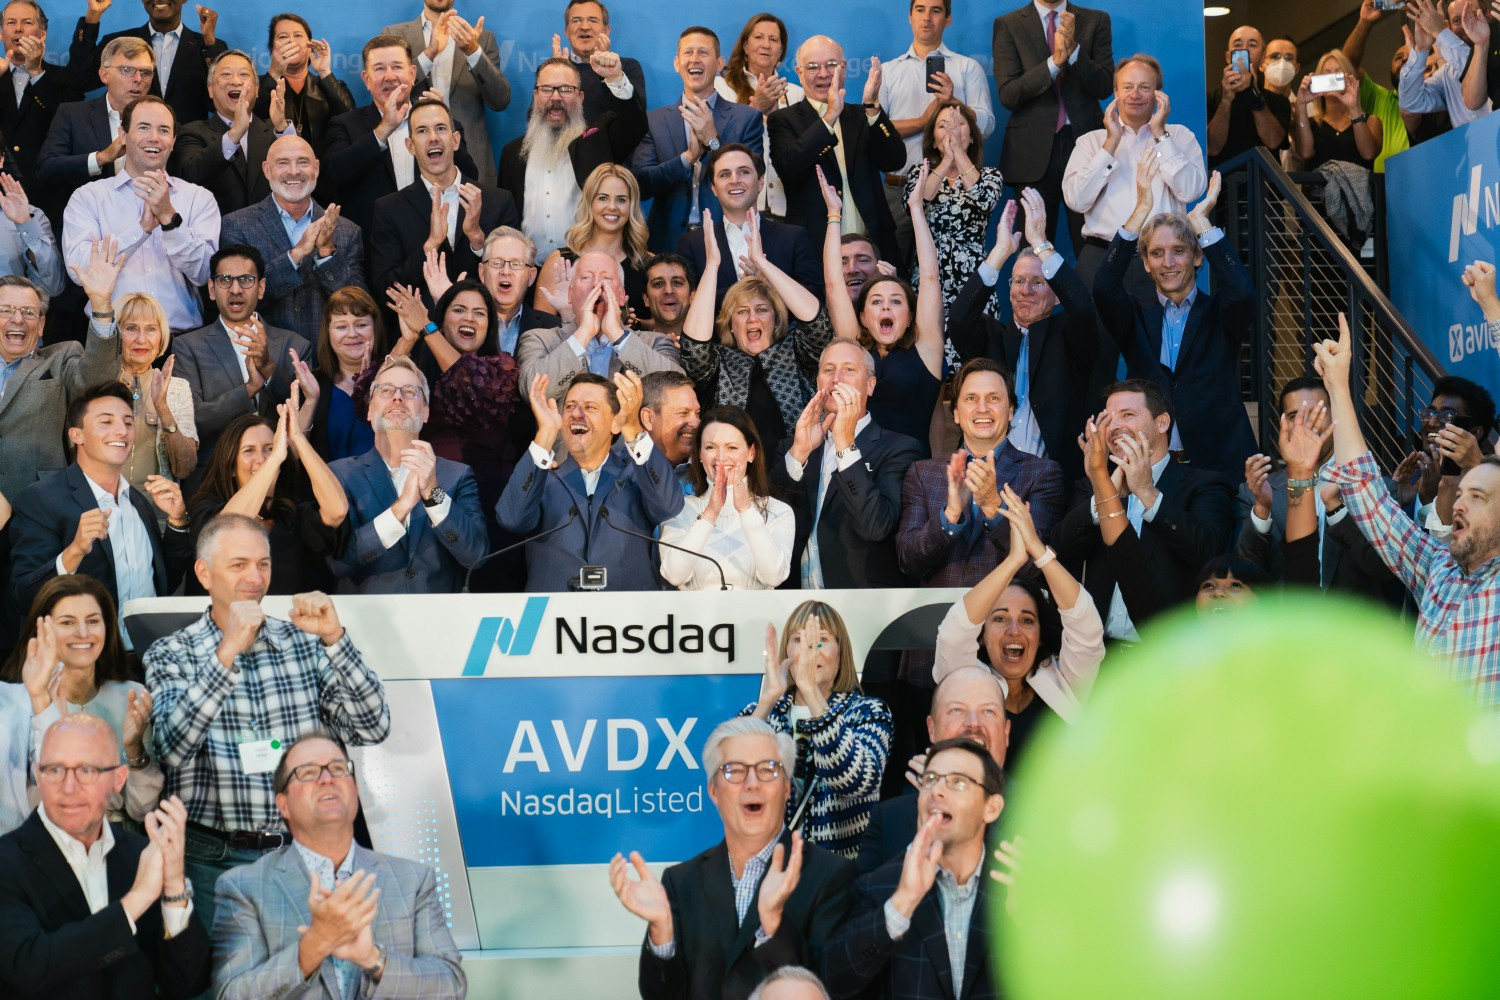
868, 469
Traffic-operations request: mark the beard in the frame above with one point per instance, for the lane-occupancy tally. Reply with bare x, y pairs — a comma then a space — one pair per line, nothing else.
547, 145
411, 425
1470, 550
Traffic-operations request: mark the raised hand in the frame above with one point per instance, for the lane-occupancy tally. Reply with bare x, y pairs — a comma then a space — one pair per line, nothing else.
958, 487
979, 476
1198, 217
1161, 114
328, 225
915, 202
1302, 439
96, 9
1478, 276
103, 271
610, 325
1258, 482
629, 392
410, 312
777, 885
471, 201
768, 93
394, 113
811, 427
644, 895
606, 63
831, 198
836, 97
1114, 128
320, 56
166, 826
872, 82
1426, 24
1332, 361
277, 112
93, 524
1094, 443
559, 50
437, 223
1018, 513
804, 666
1135, 460
1036, 216
1063, 42
40, 671
466, 35
1008, 863
435, 274
339, 916
167, 496
314, 614
208, 21
245, 620
718, 495
846, 417
548, 417
1007, 237
137, 721
1459, 446
919, 870
241, 123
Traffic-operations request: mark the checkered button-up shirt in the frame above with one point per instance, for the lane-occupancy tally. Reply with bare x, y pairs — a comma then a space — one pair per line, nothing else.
1459, 621
286, 684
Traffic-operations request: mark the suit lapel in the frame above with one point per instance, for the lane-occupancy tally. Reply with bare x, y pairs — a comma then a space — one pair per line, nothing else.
718, 894
218, 342
83, 495
18, 378
49, 861
978, 950
1190, 329
119, 870
1155, 317
929, 914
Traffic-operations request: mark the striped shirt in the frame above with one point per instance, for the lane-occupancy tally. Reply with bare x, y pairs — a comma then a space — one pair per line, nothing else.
1459, 620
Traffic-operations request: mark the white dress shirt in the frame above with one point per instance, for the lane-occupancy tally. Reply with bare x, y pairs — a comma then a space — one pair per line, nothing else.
95, 170
773, 191
1117, 623
129, 543
388, 529
903, 92
640, 450
812, 564
739, 243
754, 548
402, 161
89, 868
20, 79
1101, 185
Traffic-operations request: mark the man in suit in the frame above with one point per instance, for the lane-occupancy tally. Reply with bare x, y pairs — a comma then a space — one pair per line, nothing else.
310, 252
304, 914
855, 146
181, 54
440, 211
670, 162
310, 102
92, 909
708, 937
575, 510
38, 87
900, 933
1144, 525
1054, 62
1184, 339
586, 27
843, 474
599, 342
969, 703
1051, 354
239, 363
88, 519
737, 174
545, 169
462, 63
396, 548
226, 153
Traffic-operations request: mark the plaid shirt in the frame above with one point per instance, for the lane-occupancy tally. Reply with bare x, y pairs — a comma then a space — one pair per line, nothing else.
1460, 613
286, 684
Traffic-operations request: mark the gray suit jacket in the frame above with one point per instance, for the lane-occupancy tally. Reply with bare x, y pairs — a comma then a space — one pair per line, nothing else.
295, 295
35, 406
259, 907
545, 351
471, 91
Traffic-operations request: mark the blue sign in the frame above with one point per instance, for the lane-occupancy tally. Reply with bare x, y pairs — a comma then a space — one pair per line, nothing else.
1443, 210
568, 771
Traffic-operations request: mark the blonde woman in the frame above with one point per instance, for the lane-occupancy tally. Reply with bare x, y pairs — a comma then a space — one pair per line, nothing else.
1332, 126
609, 220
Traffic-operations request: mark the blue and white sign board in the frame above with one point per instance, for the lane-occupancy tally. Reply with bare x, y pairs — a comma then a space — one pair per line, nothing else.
1443, 211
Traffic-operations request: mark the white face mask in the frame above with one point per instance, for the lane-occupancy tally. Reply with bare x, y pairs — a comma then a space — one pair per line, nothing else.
1280, 73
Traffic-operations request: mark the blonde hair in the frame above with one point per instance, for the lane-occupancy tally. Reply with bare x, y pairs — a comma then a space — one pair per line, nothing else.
126, 47
743, 292
1346, 67
140, 304
580, 236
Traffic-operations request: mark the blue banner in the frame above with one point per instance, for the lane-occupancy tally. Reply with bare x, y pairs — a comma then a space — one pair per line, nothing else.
568, 771
1443, 210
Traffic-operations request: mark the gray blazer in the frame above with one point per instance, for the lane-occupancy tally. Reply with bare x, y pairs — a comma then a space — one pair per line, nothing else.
259, 906
295, 295
472, 91
35, 407
545, 351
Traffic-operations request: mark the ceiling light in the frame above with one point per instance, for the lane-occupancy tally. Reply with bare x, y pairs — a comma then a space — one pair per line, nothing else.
1215, 11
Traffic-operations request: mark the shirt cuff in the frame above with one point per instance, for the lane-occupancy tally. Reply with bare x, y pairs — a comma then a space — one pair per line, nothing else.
618, 344
895, 924
623, 88
1211, 237
662, 951
388, 529
1336, 516
227, 146
425, 63
794, 468
949, 528
103, 329
1052, 265
61, 569
988, 274
94, 169
576, 347
1150, 514
438, 513
640, 448
174, 919
1127, 234
1262, 524
473, 57
850, 457
540, 456
1053, 68
1434, 524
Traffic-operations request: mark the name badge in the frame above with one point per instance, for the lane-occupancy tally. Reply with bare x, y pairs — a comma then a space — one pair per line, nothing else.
260, 756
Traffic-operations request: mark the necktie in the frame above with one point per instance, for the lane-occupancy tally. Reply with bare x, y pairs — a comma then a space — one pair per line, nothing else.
1062, 116
1023, 368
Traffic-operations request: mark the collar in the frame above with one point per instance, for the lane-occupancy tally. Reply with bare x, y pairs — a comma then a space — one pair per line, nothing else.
821, 107
1044, 10
100, 493
1159, 466
1187, 303
995, 452
312, 859
458, 178
177, 31
911, 53
962, 888
10, 365
69, 844
763, 855
287, 216
230, 122
712, 100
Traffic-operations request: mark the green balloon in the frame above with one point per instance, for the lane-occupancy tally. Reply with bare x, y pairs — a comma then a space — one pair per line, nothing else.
1288, 801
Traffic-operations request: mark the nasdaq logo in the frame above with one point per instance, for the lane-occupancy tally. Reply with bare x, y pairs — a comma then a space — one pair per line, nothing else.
510, 638
1466, 206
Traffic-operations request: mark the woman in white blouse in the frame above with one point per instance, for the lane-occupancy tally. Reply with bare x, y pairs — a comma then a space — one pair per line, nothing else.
731, 514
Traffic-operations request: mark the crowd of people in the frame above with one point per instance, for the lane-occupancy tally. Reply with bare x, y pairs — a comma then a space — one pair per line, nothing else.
246, 323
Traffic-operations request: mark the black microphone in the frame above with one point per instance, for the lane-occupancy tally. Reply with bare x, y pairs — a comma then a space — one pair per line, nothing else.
572, 516
723, 583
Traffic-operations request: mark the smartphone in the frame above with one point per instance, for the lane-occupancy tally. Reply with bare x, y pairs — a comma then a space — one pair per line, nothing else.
1389, 4
1240, 60
1326, 83
936, 63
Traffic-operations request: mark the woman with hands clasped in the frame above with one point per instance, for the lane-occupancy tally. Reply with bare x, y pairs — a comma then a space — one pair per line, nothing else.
1045, 643
731, 514
810, 690
70, 659
752, 356
903, 330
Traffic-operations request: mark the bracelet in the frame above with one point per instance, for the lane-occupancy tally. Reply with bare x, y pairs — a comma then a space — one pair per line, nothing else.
971, 170
1046, 558
1302, 483
102, 315
137, 763
1118, 513
1107, 499
1360, 120
834, 218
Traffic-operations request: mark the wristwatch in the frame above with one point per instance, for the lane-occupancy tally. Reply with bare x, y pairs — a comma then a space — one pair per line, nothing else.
713, 144
170, 428
1044, 249
172, 223
185, 896
374, 971
435, 498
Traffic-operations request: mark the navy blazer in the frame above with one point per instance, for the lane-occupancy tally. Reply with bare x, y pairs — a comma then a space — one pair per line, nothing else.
1205, 384
401, 225
638, 496
427, 559
198, 156
295, 294
52, 947
46, 519
612, 135
187, 83
668, 182
78, 129
598, 98
918, 965
26, 124
786, 246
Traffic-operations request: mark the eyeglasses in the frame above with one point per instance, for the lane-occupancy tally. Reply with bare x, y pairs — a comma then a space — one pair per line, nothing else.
501, 264
306, 773
131, 72
1444, 416
27, 312
956, 781
735, 772
87, 774
831, 66
384, 390
578, 22
243, 280
1032, 284
557, 89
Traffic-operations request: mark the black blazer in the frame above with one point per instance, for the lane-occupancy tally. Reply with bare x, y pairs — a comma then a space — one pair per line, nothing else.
187, 83
716, 954
323, 97
52, 947
1158, 568
863, 954
236, 183
1059, 359
46, 519
401, 226
892, 828
78, 129
358, 173
598, 98
611, 137
1021, 53
800, 141
786, 246
25, 124
861, 510
1205, 385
